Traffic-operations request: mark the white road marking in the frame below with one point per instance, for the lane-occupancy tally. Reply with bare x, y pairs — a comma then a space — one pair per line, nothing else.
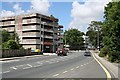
6, 71
13, 68
36, 65
29, 65
46, 61
65, 71
72, 69
9, 61
77, 67
38, 62
55, 75
26, 67
81, 65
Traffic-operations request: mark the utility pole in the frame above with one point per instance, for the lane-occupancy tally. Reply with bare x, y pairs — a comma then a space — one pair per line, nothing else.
98, 38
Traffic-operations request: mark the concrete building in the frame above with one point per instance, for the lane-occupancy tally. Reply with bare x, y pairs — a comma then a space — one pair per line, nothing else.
60, 36
36, 31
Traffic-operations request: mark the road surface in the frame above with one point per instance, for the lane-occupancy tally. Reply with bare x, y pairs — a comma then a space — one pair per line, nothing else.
75, 65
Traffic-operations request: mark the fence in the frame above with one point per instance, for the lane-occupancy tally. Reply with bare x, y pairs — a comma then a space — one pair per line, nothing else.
15, 53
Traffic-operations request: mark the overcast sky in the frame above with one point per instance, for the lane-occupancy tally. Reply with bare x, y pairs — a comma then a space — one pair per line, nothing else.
71, 13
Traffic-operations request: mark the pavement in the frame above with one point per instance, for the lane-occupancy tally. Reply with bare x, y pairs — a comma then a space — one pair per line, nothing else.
113, 68
75, 65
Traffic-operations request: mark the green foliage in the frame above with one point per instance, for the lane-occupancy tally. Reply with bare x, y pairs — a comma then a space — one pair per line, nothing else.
74, 37
4, 45
12, 44
9, 41
104, 51
94, 30
114, 56
5, 36
15, 37
111, 30
109, 33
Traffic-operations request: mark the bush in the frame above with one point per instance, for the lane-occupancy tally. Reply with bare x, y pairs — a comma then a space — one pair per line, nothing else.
104, 51
4, 45
13, 45
114, 56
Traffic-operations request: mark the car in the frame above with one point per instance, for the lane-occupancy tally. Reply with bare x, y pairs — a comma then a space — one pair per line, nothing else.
61, 52
87, 53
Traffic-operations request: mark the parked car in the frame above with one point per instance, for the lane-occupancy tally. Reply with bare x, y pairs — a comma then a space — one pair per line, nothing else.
61, 52
87, 53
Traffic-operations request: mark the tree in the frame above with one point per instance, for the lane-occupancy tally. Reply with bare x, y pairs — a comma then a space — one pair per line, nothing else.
111, 30
94, 33
15, 37
5, 36
9, 41
12, 44
74, 38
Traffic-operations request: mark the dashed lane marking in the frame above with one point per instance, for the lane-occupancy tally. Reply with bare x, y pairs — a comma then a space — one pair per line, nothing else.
13, 68
72, 69
29, 65
57, 61
55, 75
36, 65
65, 71
77, 67
26, 67
81, 65
6, 72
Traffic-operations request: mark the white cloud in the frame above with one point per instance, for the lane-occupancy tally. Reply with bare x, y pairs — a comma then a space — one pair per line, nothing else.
18, 9
40, 6
5, 13
83, 14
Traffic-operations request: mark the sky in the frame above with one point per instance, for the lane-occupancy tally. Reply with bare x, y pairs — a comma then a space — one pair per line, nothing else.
71, 13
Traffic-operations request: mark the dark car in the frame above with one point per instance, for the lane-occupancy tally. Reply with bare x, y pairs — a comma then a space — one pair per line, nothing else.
87, 53
61, 52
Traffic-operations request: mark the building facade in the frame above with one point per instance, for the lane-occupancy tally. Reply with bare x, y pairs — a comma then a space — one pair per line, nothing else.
36, 31
60, 36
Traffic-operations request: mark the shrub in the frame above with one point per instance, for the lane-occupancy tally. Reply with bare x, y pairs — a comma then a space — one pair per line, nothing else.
13, 45
114, 56
104, 51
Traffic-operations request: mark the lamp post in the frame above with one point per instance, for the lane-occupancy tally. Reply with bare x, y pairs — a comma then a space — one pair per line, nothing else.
98, 37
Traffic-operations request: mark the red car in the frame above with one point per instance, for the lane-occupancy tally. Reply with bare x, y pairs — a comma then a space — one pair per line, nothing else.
61, 52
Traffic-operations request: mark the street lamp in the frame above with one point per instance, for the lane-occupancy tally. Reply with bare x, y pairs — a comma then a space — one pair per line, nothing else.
98, 37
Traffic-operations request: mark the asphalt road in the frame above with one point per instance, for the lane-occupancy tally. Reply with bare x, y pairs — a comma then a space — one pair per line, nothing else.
75, 65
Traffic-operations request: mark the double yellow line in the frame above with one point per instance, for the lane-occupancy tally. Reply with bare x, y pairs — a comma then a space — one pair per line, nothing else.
106, 71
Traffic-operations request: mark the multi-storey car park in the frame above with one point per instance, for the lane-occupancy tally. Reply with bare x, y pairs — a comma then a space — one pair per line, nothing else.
36, 31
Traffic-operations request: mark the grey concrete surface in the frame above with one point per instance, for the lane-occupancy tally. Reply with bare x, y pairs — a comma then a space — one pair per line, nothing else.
112, 67
75, 65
